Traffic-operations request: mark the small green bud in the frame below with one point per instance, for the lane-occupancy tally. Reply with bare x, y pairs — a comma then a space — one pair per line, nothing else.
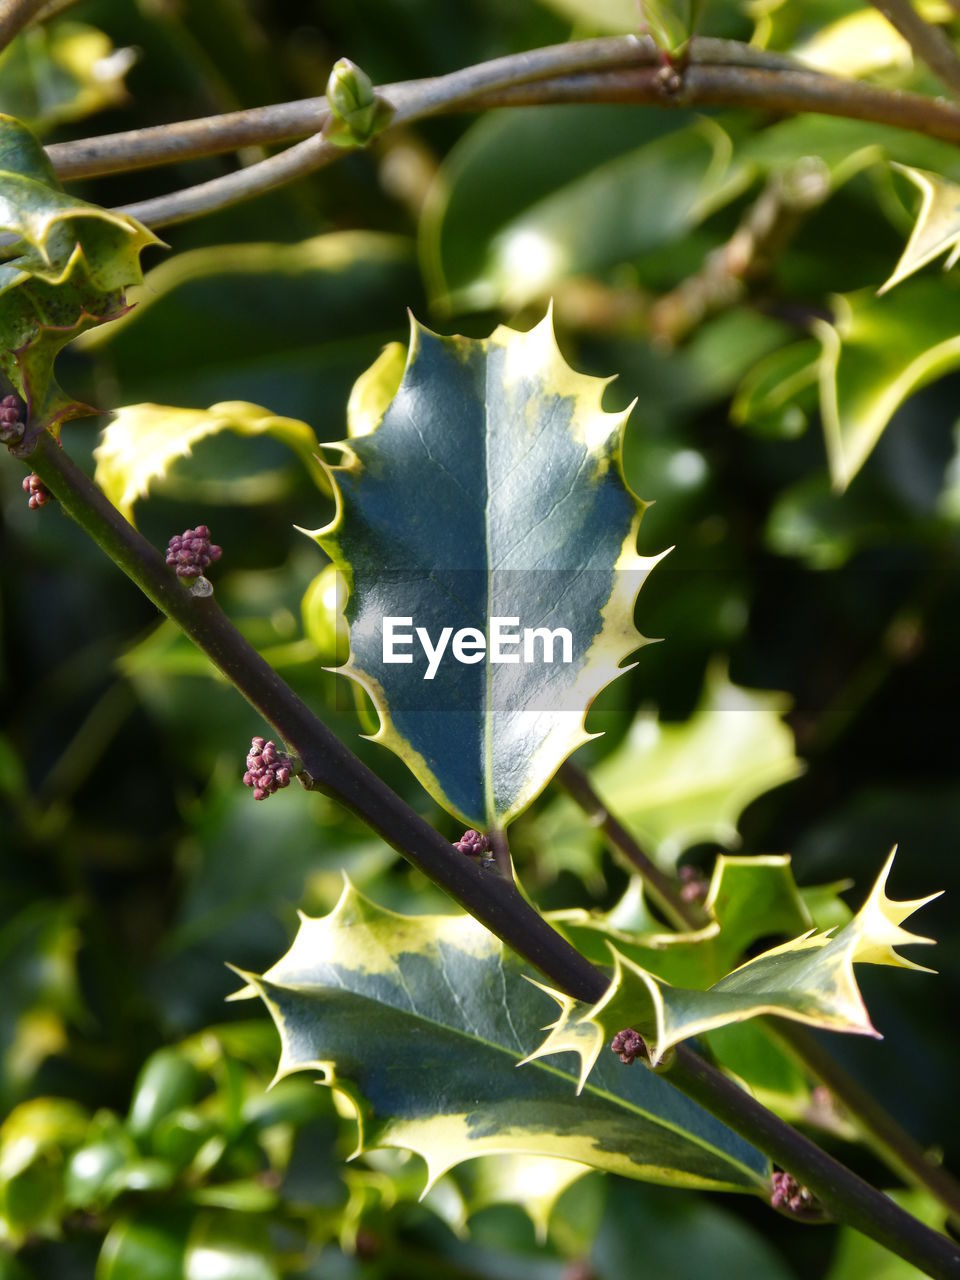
356, 113
349, 89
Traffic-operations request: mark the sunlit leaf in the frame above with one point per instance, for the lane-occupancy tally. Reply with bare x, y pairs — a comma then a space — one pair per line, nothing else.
937, 228
397, 1013
285, 325
65, 271
674, 785
810, 979
857, 44
143, 441
747, 899
876, 353
608, 17
511, 213
490, 488
535, 1183
61, 71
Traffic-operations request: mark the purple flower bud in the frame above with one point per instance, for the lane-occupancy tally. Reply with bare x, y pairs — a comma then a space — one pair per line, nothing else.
473, 843
628, 1045
787, 1195
38, 495
693, 884
192, 552
268, 769
12, 419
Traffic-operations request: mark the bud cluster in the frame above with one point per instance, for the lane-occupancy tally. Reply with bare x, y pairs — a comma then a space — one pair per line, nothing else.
12, 425
268, 770
473, 843
693, 884
38, 495
192, 552
789, 1196
628, 1045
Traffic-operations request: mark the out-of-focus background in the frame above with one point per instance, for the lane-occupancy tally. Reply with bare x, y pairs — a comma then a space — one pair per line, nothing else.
133, 863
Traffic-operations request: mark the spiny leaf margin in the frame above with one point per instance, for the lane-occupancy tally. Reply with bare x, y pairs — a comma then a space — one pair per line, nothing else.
395, 1013
525, 355
815, 970
68, 268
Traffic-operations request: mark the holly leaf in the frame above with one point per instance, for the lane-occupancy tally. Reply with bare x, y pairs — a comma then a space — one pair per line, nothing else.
65, 271
875, 354
748, 898
490, 486
810, 980
59, 71
395, 1013
937, 228
674, 785
143, 441
512, 216
534, 1183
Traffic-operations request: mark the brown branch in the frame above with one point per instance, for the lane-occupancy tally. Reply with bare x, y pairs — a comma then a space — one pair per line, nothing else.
15, 15
284, 122
720, 73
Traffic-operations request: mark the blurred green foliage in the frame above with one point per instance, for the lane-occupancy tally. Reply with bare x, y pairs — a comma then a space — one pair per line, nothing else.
139, 1139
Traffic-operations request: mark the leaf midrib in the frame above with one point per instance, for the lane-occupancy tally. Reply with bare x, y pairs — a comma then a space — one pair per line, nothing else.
612, 1098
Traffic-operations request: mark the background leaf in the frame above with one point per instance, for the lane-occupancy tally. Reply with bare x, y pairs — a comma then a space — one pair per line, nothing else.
61, 71
143, 440
674, 785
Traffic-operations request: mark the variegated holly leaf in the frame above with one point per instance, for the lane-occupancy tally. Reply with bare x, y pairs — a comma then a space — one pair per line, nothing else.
937, 228
810, 979
144, 441
485, 484
420, 1022
65, 267
534, 1183
875, 354
748, 898
674, 785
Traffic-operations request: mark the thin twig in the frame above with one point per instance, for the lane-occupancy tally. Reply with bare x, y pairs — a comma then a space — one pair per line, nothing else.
15, 15
284, 122
765, 230
721, 73
780, 92
663, 889
891, 1141
929, 43
491, 899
